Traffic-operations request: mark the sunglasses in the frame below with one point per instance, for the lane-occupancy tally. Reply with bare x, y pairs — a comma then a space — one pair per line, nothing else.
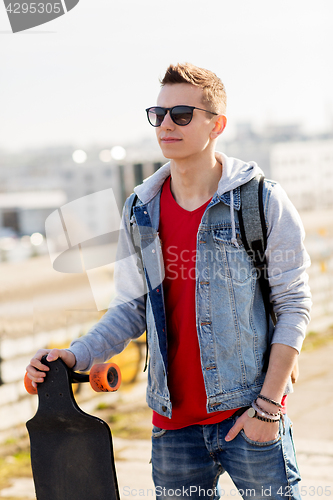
180, 115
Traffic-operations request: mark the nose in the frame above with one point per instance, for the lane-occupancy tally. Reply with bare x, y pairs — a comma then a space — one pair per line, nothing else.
167, 123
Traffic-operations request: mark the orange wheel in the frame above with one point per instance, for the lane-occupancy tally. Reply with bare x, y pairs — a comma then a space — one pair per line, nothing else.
28, 385
105, 377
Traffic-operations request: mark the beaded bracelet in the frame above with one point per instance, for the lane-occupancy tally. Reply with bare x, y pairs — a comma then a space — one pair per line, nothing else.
271, 417
267, 412
270, 400
265, 419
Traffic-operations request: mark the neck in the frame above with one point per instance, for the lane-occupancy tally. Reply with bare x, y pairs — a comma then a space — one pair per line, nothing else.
194, 180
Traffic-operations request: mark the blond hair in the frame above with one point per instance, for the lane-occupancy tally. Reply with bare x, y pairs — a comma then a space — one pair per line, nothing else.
214, 94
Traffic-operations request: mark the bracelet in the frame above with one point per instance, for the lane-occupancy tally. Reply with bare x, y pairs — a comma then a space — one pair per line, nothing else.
265, 419
270, 400
267, 412
271, 416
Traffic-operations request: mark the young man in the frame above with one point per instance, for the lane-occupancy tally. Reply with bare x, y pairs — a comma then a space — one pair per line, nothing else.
215, 407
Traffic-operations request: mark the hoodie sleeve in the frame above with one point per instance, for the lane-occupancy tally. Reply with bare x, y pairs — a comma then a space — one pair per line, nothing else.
287, 263
125, 318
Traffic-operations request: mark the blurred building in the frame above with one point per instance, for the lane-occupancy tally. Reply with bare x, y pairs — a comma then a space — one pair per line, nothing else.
30, 188
25, 212
305, 170
249, 144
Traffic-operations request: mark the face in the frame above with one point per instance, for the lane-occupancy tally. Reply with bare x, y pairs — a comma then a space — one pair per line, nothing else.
181, 142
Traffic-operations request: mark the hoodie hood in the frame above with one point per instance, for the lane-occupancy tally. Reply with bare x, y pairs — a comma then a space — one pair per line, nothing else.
235, 173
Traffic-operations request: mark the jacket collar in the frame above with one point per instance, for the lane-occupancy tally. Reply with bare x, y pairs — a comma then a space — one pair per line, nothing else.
234, 174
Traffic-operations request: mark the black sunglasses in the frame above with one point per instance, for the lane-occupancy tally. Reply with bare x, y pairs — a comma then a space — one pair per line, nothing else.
180, 115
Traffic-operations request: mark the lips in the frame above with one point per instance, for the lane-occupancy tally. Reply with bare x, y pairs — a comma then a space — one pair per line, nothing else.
169, 140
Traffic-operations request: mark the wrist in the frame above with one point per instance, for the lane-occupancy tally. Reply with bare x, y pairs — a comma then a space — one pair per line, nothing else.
259, 415
71, 359
260, 412
269, 407
271, 404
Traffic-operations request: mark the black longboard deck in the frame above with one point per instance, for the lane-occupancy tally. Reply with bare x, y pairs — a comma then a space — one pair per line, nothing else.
71, 451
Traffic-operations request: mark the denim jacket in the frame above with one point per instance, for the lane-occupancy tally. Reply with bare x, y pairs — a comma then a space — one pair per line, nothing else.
230, 315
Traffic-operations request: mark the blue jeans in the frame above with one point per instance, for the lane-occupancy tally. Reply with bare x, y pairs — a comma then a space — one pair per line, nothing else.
188, 462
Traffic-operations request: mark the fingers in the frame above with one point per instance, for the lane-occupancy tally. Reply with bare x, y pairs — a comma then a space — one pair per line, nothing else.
256, 430
295, 373
36, 360
262, 432
36, 370
35, 375
54, 354
237, 427
67, 356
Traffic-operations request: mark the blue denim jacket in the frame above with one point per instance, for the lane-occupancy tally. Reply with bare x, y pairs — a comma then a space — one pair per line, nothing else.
230, 314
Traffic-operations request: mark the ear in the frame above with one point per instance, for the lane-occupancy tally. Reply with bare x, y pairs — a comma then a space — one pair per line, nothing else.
220, 124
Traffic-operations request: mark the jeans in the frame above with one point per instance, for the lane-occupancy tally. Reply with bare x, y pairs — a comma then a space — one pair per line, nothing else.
188, 462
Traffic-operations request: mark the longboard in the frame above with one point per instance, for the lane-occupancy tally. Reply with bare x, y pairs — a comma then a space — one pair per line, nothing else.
71, 451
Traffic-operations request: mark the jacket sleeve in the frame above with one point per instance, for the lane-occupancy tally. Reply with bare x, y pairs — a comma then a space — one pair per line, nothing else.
287, 263
125, 317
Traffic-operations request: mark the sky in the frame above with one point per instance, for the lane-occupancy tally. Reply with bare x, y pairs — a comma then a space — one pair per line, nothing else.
87, 77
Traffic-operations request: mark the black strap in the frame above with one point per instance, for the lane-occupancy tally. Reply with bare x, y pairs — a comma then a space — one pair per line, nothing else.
263, 282
261, 210
254, 235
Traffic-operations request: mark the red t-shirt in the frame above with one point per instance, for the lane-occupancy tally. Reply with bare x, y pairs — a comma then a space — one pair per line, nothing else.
178, 233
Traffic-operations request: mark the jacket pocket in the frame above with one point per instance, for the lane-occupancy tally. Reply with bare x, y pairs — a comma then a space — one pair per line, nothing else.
234, 262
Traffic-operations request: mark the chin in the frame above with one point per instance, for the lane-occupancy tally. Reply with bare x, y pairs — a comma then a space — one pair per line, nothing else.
172, 153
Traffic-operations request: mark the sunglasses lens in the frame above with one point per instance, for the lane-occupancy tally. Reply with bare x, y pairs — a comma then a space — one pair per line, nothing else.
182, 115
156, 116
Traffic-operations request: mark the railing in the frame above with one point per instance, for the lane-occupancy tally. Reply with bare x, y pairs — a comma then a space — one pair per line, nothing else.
16, 405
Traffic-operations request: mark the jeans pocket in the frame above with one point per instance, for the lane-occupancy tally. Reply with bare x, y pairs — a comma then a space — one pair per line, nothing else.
259, 443
158, 432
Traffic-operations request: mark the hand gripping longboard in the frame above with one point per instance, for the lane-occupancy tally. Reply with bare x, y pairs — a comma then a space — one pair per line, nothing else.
71, 451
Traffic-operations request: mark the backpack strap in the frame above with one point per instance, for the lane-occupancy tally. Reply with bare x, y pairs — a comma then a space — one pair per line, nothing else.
136, 244
254, 234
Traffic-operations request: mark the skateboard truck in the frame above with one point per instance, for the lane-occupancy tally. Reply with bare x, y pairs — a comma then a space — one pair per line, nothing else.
71, 451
